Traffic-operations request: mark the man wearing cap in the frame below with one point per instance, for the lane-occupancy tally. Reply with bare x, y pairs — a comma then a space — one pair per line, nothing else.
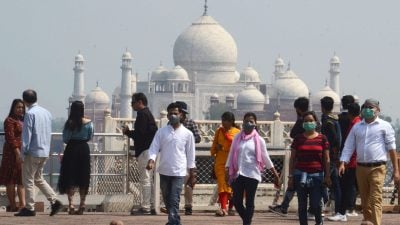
372, 139
192, 126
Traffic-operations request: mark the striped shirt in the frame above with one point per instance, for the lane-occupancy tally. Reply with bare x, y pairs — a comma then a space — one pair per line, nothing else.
309, 153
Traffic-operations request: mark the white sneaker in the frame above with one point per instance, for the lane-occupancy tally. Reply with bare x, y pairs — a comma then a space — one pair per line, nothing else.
351, 213
338, 217
310, 216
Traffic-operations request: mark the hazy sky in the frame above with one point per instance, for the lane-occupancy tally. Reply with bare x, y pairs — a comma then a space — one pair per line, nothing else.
39, 40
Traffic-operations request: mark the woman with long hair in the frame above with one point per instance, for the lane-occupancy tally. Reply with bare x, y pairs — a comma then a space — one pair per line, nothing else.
11, 164
246, 162
219, 150
309, 168
75, 164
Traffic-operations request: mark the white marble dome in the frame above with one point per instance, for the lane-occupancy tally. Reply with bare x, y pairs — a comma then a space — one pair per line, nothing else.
79, 58
279, 62
335, 59
178, 73
326, 91
127, 55
251, 99
289, 86
207, 49
97, 96
249, 74
156, 75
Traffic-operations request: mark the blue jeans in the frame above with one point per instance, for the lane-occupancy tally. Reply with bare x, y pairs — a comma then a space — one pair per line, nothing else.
171, 188
349, 192
312, 190
240, 186
337, 192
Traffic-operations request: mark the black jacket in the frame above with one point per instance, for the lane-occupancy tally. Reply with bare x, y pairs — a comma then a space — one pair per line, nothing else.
144, 130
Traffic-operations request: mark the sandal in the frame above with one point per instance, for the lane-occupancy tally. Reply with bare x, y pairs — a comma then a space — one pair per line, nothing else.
80, 210
71, 210
220, 213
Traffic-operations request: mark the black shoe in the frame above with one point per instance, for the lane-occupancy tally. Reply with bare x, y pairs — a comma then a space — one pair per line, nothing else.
153, 212
55, 207
188, 211
25, 212
278, 210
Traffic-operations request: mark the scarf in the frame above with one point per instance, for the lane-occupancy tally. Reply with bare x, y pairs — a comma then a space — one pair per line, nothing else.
233, 167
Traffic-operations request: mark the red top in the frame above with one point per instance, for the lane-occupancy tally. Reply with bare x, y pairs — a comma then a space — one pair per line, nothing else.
309, 152
353, 159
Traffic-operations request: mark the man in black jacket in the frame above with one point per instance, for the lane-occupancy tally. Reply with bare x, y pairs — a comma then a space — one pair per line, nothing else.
144, 130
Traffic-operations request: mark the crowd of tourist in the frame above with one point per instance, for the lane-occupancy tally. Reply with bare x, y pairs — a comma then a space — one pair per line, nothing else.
332, 160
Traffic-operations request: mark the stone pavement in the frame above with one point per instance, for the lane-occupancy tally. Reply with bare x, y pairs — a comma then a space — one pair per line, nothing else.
198, 218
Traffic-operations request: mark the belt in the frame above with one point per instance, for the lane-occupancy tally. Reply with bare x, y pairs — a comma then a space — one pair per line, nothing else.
372, 164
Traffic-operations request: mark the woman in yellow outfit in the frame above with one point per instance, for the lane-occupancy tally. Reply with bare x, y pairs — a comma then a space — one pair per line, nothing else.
220, 151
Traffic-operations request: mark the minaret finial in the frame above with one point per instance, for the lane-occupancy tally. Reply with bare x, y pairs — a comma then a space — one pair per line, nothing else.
161, 63
97, 83
288, 66
326, 82
205, 8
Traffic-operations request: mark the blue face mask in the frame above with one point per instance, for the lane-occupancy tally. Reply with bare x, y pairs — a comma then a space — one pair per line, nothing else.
309, 126
368, 113
173, 119
248, 127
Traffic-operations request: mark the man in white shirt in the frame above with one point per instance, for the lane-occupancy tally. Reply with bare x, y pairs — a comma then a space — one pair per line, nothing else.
372, 139
176, 148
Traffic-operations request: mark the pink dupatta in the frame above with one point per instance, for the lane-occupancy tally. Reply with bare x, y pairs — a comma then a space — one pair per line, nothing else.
233, 167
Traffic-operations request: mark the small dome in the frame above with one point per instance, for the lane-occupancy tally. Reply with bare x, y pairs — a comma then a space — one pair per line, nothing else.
279, 62
156, 75
230, 97
97, 95
214, 96
289, 86
79, 58
251, 95
178, 73
326, 91
335, 59
250, 99
127, 55
249, 74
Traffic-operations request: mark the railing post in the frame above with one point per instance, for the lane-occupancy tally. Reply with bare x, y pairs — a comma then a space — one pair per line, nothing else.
277, 132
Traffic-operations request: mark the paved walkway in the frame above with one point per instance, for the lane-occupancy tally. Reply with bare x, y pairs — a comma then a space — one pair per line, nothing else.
198, 218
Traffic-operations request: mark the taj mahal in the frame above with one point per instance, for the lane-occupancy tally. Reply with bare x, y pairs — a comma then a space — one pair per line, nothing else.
205, 75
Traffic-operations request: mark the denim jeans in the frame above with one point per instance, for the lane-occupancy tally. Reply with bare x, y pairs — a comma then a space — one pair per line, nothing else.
311, 190
337, 192
171, 188
241, 185
349, 192
289, 194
